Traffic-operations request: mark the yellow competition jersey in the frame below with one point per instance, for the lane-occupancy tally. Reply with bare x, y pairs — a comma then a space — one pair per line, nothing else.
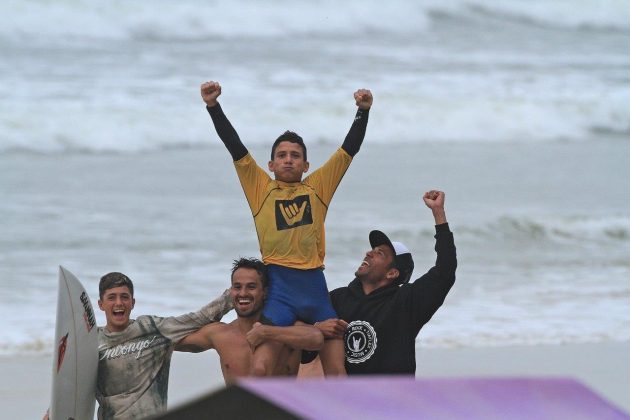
289, 217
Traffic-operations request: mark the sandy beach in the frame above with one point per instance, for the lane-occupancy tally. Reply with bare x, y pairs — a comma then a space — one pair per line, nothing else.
603, 367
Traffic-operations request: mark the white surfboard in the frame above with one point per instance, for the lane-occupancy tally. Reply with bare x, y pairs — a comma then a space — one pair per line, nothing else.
75, 361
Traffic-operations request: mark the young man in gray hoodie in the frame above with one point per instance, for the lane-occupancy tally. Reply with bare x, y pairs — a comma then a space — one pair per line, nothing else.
135, 354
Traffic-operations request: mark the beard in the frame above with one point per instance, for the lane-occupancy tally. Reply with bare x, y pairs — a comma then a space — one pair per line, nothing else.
248, 313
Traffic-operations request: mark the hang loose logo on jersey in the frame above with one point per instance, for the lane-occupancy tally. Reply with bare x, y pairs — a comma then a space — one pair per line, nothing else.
293, 213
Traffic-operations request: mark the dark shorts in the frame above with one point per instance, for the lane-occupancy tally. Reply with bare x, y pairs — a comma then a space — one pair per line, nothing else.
296, 294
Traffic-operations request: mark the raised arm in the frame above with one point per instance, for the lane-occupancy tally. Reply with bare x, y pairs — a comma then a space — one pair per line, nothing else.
354, 138
200, 340
177, 327
210, 91
300, 336
435, 201
212, 312
430, 290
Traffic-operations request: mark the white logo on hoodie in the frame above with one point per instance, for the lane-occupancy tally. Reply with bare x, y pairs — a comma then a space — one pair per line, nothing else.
360, 340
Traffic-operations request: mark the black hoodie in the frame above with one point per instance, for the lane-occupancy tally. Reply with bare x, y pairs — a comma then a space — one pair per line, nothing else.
383, 326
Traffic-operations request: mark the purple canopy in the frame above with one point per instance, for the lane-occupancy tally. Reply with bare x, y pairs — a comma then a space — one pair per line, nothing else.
387, 397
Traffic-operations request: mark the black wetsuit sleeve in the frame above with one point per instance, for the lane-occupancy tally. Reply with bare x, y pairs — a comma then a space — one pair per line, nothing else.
355, 136
227, 133
430, 290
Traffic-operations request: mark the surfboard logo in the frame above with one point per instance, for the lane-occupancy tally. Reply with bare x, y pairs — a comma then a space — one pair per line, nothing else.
61, 350
88, 313
360, 341
293, 213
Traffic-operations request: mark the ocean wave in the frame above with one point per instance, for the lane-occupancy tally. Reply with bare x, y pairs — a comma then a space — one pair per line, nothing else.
34, 347
137, 128
109, 89
498, 339
198, 20
560, 14
574, 229
194, 20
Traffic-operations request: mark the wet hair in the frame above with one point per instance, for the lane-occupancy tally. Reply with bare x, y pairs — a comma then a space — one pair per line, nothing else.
254, 264
291, 137
111, 280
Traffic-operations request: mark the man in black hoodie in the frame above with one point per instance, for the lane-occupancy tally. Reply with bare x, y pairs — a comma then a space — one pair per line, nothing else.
380, 312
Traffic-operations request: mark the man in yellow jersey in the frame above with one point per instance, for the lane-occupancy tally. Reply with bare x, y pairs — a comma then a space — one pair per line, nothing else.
289, 215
